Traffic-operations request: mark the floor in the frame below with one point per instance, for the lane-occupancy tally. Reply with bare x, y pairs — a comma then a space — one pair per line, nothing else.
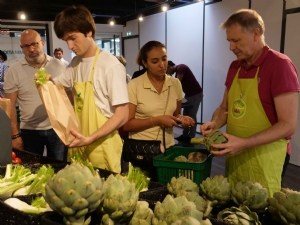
291, 178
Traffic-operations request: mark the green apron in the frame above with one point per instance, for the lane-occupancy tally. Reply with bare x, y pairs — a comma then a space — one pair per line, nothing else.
246, 117
104, 153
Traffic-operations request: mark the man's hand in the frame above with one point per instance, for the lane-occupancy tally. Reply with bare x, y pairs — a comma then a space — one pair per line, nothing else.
234, 146
18, 143
207, 127
79, 140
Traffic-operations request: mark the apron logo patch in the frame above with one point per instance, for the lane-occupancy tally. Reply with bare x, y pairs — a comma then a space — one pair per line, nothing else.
238, 108
78, 102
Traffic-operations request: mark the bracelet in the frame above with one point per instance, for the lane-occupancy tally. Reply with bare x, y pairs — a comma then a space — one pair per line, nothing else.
15, 136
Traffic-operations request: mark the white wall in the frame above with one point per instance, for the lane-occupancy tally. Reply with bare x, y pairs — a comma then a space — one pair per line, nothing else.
217, 56
292, 49
153, 28
184, 38
131, 50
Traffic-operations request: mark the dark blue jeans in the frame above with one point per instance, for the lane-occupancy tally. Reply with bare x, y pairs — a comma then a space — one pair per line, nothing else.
36, 140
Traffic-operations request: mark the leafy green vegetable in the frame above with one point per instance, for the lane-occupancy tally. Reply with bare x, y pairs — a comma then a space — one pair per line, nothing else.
39, 202
41, 76
25, 207
137, 176
44, 173
16, 177
78, 156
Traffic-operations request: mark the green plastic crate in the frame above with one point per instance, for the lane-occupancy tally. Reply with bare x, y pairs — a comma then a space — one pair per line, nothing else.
167, 168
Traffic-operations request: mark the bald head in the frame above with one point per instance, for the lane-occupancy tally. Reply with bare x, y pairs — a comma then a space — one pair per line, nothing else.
29, 34
32, 46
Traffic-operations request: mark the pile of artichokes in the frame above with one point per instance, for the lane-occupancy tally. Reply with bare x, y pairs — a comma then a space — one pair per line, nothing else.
77, 190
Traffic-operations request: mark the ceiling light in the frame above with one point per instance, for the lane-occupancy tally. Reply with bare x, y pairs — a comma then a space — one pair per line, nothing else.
164, 7
21, 15
112, 22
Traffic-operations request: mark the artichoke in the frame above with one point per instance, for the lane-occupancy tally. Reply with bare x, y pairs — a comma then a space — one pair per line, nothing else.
251, 194
179, 186
120, 198
181, 158
284, 206
172, 209
216, 189
143, 214
214, 137
238, 216
187, 220
201, 203
74, 192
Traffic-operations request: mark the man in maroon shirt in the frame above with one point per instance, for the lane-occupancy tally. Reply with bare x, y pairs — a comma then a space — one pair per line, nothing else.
192, 93
259, 106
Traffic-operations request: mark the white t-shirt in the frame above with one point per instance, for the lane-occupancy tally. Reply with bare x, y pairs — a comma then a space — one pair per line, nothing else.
110, 85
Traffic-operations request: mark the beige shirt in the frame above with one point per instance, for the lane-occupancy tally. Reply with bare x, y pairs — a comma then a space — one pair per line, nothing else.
150, 103
20, 78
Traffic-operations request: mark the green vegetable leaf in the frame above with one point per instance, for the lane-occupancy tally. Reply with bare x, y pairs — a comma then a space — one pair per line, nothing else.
41, 76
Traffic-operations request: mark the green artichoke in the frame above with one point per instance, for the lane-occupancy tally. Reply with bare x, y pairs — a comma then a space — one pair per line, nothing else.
74, 192
284, 206
181, 158
214, 137
217, 192
216, 189
187, 220
142, 215
251, 194
201, 203
238, 216
172, 209
179, 186
120, 198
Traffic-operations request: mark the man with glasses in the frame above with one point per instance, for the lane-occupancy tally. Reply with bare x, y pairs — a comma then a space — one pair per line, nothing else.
35, 131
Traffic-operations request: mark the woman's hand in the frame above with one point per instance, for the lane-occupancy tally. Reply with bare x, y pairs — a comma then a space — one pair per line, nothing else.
166, 121
185, 121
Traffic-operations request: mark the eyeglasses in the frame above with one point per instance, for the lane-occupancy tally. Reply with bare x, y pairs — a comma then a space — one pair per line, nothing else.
33, 44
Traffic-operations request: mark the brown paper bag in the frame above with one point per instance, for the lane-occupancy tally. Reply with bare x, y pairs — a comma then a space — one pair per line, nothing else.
5, 104
60, 110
